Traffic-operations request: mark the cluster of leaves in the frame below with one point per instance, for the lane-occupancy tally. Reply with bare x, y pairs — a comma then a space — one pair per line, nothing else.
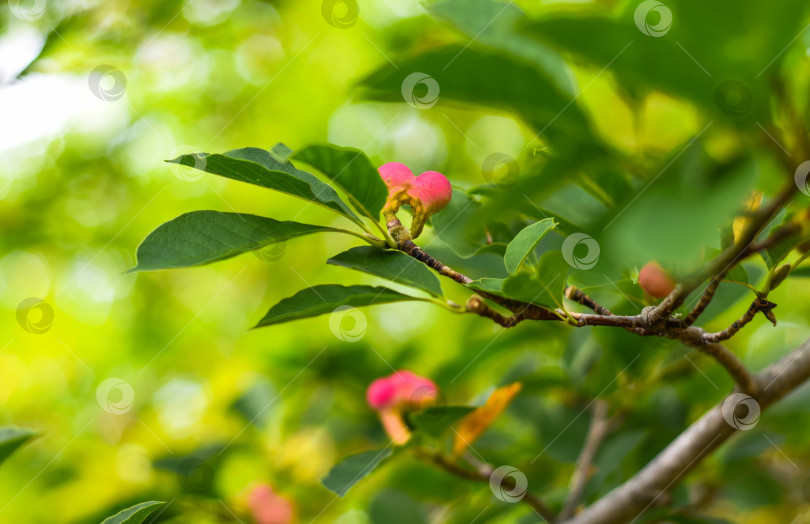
649, 205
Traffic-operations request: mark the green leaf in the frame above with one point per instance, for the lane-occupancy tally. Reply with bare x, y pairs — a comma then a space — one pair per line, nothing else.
737, 273
436, 420
396, 507
494, 24
779, 251
393, 265
322, 299
453, 225
525, 242
469, 75
201, 237
350, 470
282, 152
487, 285
544, 288
134, 515
692, 60
12, 438
352, 171
262, 168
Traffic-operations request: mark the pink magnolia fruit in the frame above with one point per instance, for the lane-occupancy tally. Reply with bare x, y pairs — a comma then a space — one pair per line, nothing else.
269, 508
427, 193
395, 395
655, 280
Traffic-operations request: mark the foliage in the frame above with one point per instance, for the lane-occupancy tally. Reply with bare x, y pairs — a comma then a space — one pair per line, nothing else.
612, 147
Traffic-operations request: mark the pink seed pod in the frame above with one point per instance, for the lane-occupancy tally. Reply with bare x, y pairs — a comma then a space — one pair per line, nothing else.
427, 193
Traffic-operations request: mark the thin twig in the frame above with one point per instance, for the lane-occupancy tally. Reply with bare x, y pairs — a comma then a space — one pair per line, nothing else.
734, 254
483, 474
760, 305
695, 443
596, 433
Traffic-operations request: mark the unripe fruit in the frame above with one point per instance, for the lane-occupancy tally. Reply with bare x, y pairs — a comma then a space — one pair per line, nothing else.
655, 281
427, 193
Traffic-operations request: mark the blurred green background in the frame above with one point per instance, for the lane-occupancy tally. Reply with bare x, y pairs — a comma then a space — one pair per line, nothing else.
151, 386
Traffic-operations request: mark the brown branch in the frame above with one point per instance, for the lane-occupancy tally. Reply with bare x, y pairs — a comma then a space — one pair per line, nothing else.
760, 305
596, 433
699, 440
645, 324
483, 474
723, 263
575, 294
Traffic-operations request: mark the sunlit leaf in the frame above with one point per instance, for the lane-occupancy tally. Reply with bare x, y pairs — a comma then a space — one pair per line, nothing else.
466, 74
262, 168
200, 237
740, 223
352, 171
525, 241
476, 423
390, 264
134, 515
495, 24
319, 300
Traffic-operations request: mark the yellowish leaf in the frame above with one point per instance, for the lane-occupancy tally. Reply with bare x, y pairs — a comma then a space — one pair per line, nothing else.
751, 205
476, 423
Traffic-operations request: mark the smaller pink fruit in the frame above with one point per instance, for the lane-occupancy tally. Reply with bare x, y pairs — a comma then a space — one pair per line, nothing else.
397, 394
655, 280
381, 393
269, 508
400, 389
